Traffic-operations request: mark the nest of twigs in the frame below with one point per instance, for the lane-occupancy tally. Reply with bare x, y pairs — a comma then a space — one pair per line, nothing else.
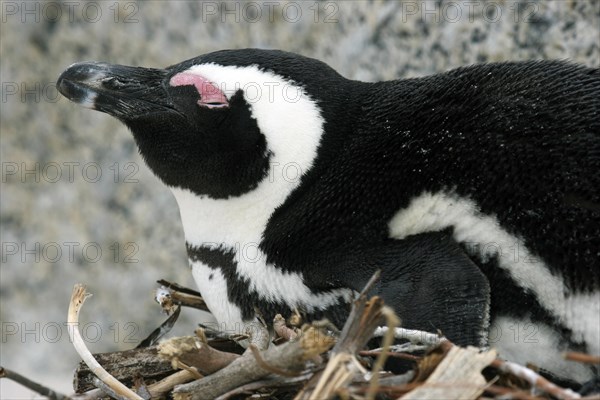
284, 360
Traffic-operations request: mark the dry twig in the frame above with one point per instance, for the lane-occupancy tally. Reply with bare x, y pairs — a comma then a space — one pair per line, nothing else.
162, 330
258, 335
534, 379
275, 382
78, 297
170, 294
265, 370
289, 356
343, 366
457, 376
282, 330
164, 386
124, 365
193, 351
392, 321
582, 357
107, 390
36, 387
414, 336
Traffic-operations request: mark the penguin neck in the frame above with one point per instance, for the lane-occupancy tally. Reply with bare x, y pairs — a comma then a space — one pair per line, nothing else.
233, 222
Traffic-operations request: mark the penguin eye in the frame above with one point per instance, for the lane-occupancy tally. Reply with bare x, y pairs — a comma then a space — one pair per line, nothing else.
210, 95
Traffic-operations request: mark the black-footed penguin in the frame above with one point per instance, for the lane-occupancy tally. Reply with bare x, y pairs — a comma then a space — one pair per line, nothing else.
476, 191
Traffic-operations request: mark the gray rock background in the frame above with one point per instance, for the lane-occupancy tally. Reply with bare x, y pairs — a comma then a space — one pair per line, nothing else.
56, 212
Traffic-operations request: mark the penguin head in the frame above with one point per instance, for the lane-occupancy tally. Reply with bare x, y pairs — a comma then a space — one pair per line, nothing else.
216, 124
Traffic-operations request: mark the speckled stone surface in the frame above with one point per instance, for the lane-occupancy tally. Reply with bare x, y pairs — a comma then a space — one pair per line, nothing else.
56, 212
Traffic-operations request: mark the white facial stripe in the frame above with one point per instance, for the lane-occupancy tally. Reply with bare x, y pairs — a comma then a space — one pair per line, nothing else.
293, 127
285, 114
293, 131
486, 238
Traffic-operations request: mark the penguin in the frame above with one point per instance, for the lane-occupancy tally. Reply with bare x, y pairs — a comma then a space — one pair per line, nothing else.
475, 191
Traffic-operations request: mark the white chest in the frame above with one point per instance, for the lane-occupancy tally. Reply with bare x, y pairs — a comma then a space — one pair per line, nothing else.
213, 287
236, 225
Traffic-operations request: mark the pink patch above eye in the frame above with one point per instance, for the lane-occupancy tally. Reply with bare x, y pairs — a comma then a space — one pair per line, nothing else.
210, 95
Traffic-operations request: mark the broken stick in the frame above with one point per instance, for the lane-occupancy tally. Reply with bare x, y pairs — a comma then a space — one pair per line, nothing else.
290, 356
78, 297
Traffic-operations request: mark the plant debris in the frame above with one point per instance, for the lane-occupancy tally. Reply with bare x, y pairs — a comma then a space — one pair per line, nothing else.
285, 361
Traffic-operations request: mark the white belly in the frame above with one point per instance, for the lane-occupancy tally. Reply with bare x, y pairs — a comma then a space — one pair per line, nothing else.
214, 293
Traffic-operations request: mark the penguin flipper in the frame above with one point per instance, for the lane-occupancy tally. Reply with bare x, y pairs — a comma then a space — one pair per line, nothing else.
432, 285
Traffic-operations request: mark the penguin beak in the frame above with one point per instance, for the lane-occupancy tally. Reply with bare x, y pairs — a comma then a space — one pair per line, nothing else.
121, 91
